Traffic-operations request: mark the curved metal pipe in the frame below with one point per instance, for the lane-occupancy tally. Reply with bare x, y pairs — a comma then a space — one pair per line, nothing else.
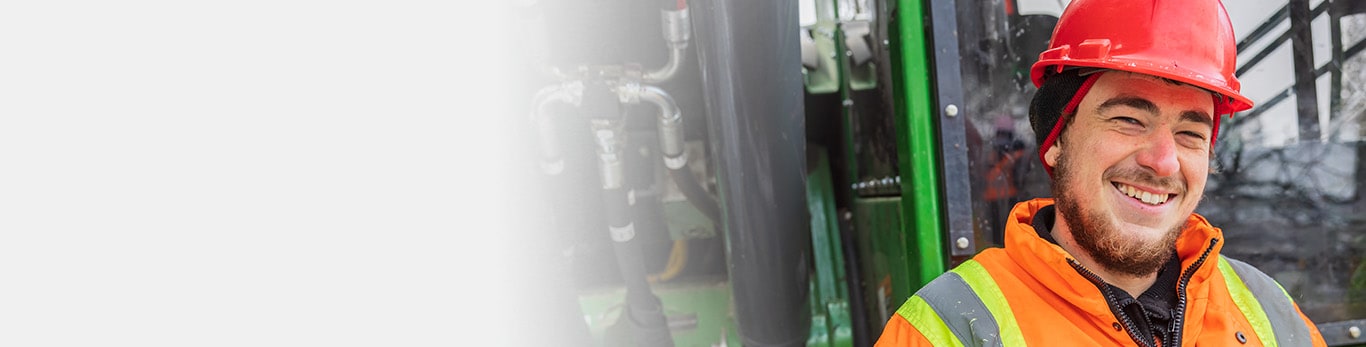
668, 70
675, 153
677, 31
670, 126
548, 139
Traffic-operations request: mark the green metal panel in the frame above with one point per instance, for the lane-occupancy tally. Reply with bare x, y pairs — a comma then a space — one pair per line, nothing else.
916, 144
830, 321
886, 262
899, 237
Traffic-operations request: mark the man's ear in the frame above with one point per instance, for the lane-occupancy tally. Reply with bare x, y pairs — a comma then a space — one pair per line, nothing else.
1050, 156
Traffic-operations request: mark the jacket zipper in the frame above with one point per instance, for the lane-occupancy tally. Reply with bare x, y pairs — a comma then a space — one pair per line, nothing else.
1110, 301
1177, 316
1180, 313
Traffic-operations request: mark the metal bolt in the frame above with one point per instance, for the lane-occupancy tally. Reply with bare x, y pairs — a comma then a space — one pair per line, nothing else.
848, 215
848, 53
886, 42
962, 243
848, 102
951, 110
1354, 332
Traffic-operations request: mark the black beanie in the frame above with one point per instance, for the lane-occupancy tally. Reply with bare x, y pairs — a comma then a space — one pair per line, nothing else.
1046, 107
1059, 92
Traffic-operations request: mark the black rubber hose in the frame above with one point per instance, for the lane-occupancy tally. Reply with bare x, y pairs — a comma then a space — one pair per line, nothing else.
698, 196
644, 312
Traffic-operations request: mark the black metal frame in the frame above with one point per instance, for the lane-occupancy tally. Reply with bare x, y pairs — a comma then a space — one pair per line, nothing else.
953, 144
1336, 333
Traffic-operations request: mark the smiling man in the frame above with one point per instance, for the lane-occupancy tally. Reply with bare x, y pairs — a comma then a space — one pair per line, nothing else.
1130, 97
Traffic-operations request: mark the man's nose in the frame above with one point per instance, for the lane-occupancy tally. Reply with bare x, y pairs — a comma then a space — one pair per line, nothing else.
1159, 154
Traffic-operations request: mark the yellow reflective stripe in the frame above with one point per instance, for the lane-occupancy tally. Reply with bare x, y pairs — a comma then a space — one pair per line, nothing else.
1246, 302
922, 317
980, 280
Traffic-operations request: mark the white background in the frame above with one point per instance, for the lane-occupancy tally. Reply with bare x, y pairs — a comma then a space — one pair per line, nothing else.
253, 173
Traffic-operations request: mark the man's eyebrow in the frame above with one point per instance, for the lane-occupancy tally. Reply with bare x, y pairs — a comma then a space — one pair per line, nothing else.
1198, 117
1131, 101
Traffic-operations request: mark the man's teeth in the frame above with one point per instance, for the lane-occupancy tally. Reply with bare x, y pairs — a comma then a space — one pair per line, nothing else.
1145, 197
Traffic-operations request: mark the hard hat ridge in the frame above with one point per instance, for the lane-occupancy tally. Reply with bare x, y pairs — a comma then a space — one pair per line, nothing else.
1189, 41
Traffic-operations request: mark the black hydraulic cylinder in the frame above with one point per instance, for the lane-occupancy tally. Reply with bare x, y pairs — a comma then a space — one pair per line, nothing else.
750, 59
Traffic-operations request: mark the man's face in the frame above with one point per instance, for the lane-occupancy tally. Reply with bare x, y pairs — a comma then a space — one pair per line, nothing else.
1131, 168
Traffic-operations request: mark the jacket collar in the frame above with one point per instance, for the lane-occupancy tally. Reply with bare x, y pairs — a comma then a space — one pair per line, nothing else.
1048, 263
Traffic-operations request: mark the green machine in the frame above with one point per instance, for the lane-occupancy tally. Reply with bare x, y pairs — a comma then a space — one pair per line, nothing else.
773, 173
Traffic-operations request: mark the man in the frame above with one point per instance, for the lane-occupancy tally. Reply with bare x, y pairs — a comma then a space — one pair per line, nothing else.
1130, 96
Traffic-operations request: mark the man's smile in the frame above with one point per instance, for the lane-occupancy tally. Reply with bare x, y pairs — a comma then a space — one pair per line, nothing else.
1154, 198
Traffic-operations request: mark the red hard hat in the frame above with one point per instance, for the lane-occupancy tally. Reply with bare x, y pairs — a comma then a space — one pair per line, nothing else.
1189, 41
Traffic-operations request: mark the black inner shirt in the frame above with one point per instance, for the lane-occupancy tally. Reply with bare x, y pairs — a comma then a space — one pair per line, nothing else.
1152, 312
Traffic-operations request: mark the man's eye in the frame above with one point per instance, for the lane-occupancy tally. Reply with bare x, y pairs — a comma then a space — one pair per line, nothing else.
1193, 134
1128, 120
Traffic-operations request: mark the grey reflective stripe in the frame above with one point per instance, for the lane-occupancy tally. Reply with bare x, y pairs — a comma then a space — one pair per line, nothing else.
1290, 329
961, 310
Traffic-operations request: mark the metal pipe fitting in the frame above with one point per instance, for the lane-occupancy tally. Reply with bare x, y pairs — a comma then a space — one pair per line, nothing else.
566, 93
611, 142
670, 126
677, 32
677, 27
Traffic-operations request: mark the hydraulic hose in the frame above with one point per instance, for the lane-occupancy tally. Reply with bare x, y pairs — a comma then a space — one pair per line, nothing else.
678, 259
644, 312
698, 196
671, 145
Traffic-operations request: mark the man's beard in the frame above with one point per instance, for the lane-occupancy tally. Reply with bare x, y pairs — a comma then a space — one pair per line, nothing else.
1099, 237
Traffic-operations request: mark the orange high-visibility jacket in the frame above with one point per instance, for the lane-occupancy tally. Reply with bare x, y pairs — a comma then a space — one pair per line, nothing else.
1031, 293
